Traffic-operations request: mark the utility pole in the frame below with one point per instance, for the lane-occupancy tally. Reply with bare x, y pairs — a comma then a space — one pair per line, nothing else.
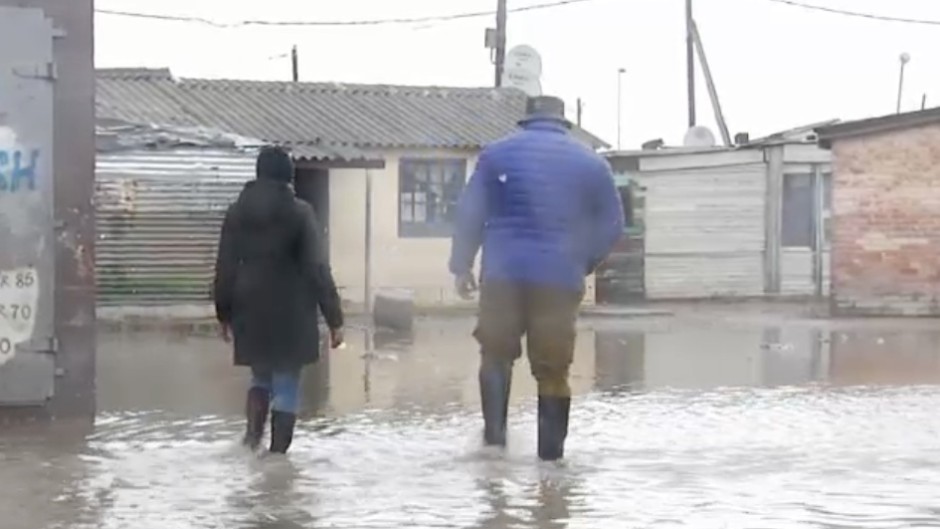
500, 40
690, 61
580, 108
905, 58
712, 91
620, 73
295, 69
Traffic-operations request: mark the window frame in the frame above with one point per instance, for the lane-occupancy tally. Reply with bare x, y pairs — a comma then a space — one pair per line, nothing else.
786, 237
452, 174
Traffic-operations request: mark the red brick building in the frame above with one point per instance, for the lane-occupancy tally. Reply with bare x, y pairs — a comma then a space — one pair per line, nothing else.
886, 214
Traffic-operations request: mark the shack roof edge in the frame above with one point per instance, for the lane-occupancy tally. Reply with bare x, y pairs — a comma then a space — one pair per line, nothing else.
876, 125
341, 115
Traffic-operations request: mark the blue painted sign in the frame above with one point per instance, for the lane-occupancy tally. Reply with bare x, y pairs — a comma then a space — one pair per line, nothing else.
18, 170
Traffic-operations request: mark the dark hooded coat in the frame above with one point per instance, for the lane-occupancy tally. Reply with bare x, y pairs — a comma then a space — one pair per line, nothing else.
271, 272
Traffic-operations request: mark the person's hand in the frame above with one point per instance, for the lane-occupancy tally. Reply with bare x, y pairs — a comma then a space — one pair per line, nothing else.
225, 331
336, 338
466, 285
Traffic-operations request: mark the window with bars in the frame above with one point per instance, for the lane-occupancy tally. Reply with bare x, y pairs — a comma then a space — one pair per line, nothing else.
428, 190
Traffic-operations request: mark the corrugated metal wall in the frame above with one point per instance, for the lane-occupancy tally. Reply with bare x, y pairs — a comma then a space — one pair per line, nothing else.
705, 231
158, 218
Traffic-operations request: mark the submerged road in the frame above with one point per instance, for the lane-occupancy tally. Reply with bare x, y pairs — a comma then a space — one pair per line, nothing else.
678, 422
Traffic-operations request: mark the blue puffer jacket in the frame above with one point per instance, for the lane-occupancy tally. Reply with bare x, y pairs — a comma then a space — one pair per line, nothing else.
543, 206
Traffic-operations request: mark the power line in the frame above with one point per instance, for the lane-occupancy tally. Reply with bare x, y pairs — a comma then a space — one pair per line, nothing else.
373, 22
857, 14
476, 14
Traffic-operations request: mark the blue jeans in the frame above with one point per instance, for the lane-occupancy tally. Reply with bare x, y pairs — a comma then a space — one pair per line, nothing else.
283, 386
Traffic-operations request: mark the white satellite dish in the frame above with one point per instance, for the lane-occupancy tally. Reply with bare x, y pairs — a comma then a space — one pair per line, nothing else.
529, 84
524, 59
699, 136
523, 70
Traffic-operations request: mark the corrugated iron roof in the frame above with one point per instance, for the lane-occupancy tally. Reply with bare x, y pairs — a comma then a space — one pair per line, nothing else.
318, 120
114, 135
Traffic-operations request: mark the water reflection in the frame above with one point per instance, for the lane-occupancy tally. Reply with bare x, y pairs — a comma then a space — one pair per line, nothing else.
885, 357
681, 425
387, 341
519, 500
553, 508
44, 473
500, 514
188, 375
709, 357
619, 362
275, 496
791, 357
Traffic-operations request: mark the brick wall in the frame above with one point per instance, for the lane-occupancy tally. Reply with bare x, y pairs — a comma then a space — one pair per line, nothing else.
886, 223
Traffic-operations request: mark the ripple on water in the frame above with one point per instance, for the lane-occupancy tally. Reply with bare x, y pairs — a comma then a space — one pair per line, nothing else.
812, 457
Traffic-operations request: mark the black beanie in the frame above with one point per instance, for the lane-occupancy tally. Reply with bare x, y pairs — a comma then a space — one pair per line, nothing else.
274, 163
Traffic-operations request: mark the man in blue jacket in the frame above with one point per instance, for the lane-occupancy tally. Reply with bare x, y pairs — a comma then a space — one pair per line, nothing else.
546, 212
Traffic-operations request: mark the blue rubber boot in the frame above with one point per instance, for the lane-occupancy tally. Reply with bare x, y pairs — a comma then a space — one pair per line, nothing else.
256, 413
553, 427
495, 384
282, 431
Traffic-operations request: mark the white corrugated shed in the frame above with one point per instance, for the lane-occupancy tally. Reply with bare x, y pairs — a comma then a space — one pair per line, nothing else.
158, 219
704, 220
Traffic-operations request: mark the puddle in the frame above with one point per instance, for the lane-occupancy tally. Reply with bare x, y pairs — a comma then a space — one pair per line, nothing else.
693, 425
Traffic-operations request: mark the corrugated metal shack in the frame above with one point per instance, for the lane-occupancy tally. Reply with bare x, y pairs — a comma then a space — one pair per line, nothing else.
161, 195
361, 153
739, 222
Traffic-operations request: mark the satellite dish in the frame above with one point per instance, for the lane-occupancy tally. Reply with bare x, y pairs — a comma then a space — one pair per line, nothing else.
529, 84
523, 70
525, 60
699, 136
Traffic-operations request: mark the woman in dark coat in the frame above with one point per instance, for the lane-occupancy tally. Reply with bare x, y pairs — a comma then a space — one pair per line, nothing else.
270, 277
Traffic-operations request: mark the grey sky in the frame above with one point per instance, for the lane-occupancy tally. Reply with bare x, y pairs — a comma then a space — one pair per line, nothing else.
775, 65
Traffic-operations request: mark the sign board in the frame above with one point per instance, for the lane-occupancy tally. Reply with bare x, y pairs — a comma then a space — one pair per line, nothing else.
19, 294
27, 233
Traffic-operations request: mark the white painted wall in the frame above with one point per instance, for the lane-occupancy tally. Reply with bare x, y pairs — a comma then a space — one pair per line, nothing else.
415, 264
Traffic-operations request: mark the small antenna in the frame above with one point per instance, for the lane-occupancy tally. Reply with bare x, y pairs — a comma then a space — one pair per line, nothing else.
295, 69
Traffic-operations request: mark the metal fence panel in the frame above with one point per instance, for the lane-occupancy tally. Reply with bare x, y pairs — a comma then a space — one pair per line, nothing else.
158, 219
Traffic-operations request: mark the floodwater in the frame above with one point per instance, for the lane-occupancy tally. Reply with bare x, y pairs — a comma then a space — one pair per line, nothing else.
701, 423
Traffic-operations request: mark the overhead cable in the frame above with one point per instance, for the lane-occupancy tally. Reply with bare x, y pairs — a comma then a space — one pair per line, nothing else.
858, 14
321, 23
